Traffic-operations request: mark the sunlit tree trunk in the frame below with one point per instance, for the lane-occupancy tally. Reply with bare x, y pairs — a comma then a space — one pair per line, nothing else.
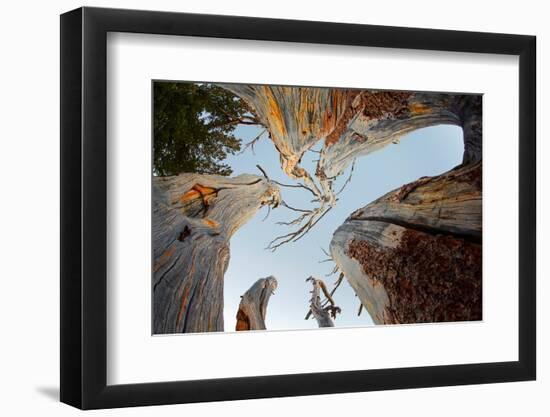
194, 217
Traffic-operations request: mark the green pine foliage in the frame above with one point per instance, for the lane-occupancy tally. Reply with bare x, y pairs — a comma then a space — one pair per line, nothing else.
194, 127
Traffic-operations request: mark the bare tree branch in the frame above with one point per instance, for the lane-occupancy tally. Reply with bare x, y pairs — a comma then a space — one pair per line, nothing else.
267, 214
334, 270
296, 221
263, 172
313, 218
310, 217
252, 143
314, 223
296, 186
283, 203
349, 178
287, 185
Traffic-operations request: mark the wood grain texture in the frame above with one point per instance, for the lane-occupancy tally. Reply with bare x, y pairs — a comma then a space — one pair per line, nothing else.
194, 217
253, 306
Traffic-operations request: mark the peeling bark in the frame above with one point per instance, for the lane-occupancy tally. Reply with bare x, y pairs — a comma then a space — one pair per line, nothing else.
194, 217
414, 255
253, 306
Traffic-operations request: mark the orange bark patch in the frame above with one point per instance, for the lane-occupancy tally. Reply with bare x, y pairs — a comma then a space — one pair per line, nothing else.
243, 323
197, 191
210, 222
189, 195
205, 194
276, 116
418, 108
204, 190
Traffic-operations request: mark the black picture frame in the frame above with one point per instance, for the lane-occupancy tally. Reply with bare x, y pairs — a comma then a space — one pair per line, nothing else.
84, 207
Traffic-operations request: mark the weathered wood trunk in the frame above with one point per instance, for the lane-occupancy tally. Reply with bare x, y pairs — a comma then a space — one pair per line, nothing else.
253, 306
194, 217
321, 314
414, 255
351, 123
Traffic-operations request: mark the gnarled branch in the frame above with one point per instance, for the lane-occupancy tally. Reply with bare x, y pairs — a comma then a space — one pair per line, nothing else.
323, 315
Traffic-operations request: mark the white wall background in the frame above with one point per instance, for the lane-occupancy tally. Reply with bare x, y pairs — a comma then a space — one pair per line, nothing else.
29, 219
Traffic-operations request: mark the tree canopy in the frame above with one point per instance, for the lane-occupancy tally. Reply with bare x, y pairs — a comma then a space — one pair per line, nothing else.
193, 126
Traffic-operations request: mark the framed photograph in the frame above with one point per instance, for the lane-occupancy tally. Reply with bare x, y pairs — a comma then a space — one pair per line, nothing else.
257, 208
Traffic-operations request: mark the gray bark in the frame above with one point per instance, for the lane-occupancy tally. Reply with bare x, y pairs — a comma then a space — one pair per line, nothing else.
253, 306
194, 217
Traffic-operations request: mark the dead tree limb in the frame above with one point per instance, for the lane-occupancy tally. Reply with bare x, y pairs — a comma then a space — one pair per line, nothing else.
323, 315
252, 143
336, 285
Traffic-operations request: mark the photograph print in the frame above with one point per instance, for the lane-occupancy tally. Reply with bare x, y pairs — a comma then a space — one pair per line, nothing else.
291, 207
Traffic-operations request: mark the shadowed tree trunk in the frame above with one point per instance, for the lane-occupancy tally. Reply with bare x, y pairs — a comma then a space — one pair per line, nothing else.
253, 306
323, 315
194, 217
414, 255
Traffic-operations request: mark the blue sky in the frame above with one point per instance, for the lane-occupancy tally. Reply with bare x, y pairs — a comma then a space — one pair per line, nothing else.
428, 151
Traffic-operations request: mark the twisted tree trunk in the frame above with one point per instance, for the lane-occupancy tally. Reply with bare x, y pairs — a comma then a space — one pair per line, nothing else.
414, 255
253, 306
350, 123
194, 217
